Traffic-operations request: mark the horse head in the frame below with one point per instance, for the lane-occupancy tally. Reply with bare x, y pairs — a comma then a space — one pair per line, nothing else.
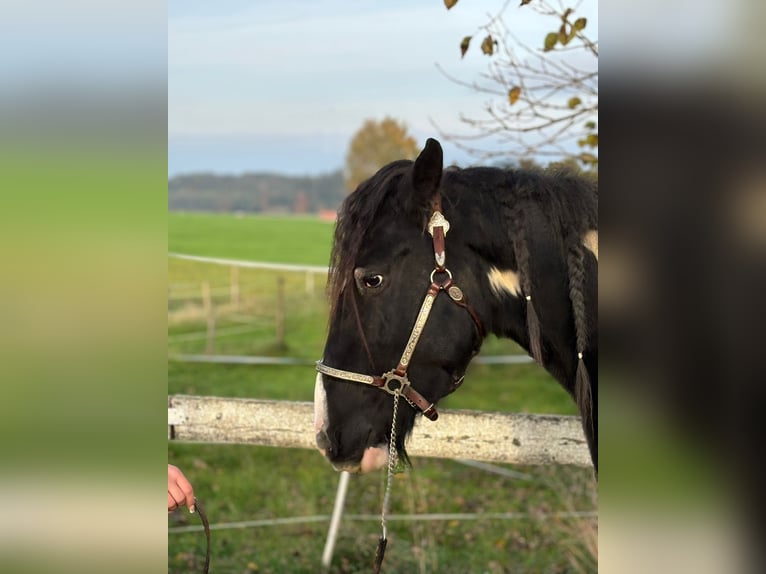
386, 269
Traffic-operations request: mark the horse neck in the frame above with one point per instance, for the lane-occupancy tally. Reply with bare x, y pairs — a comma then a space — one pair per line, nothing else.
494, 267
484, 229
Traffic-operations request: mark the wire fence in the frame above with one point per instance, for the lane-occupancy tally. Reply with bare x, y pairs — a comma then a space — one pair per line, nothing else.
290, 361
432, 517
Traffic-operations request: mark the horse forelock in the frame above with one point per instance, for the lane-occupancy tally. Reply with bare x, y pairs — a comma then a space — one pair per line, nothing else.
357, 214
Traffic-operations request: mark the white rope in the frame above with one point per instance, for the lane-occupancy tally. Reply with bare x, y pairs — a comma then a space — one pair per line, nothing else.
239, 360
249, 264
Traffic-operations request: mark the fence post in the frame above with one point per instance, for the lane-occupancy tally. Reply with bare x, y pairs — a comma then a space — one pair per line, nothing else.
280, 313
207, 306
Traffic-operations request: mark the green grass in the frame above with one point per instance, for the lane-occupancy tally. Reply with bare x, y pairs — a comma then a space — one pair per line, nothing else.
246, 483
305, 240
250, 483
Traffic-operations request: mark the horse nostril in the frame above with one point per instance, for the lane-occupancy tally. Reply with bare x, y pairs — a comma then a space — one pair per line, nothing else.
323, 441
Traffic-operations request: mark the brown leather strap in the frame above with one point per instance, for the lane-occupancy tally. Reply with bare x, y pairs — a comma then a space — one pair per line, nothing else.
412, 396
465, 305
438, 231
439, 250
378, 382
428, 408
462, 302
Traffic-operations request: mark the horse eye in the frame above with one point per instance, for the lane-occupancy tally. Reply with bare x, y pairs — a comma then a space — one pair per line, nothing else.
373, 281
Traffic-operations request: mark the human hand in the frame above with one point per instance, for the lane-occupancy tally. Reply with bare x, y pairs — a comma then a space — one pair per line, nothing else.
180, 491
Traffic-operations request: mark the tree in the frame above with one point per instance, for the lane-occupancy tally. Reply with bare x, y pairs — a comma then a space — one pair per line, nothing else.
374, 145
545, 98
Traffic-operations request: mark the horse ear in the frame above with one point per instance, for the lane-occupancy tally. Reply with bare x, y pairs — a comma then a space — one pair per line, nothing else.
426, 177
427, 171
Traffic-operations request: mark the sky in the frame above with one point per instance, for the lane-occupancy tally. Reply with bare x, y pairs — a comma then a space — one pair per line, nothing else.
282, 85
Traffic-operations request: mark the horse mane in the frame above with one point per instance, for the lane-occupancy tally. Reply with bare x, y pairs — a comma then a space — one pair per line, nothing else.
569, 202
357, 214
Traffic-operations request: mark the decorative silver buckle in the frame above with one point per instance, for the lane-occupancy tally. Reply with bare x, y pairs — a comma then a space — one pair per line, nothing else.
400, 382
438, 220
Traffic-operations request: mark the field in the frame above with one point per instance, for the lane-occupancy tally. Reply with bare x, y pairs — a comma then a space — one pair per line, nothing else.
285, 239
239, 483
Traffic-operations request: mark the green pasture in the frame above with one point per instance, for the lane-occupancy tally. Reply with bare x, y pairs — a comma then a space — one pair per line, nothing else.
252, 483
279, 239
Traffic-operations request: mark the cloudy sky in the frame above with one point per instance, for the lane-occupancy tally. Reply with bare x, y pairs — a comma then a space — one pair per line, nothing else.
281, 85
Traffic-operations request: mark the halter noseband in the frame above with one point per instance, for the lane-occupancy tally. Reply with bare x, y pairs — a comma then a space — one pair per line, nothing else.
395, 381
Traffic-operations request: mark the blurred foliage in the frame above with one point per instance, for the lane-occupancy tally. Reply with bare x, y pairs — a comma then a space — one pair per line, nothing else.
544, 98
374, 145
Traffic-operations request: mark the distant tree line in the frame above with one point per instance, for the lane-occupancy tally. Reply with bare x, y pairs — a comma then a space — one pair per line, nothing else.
255, 192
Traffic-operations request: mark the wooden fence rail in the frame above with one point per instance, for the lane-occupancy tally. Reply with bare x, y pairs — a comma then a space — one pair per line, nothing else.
493, 437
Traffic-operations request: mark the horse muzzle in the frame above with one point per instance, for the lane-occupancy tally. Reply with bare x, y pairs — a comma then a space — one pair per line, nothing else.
374, 458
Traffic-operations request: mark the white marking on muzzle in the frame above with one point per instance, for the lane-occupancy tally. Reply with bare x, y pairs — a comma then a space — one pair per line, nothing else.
504, 282
320, 405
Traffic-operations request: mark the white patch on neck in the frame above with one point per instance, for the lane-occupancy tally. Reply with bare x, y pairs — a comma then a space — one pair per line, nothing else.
504, 282
320, 405
590, 241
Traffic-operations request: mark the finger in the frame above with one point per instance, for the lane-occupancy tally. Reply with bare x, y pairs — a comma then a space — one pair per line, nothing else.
177, 494
188, 491
190, 502
172, 504
174, 472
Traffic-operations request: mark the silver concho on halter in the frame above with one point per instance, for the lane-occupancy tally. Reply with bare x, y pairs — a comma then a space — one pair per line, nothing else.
455, 293
438, 220
398, 386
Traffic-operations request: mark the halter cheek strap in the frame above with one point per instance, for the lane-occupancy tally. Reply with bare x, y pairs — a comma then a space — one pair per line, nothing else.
395, 381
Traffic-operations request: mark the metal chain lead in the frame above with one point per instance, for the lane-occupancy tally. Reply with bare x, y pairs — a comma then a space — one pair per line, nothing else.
393, 457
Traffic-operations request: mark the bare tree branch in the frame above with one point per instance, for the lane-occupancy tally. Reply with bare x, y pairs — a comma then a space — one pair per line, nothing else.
544, 101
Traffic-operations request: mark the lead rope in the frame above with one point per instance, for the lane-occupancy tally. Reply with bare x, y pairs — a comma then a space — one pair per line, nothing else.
393, 458
206, 525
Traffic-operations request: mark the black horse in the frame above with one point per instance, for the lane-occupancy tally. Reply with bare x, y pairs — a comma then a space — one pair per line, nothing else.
413, 295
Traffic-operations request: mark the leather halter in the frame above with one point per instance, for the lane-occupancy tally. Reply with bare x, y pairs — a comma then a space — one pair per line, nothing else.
395, 380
